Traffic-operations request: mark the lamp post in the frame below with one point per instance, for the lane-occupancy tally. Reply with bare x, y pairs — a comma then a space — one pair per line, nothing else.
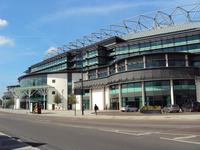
82, 109
63, 99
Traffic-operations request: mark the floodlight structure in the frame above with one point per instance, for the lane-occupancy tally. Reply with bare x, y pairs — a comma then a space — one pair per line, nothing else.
150, 21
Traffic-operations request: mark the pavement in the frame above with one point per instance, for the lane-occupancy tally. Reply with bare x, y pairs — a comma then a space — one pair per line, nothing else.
89, 114
13, 143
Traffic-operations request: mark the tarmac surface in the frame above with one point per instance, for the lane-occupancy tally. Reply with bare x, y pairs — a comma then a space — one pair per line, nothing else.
61, 130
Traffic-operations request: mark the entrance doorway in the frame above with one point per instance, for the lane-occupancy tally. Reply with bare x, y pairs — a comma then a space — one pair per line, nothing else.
114, 103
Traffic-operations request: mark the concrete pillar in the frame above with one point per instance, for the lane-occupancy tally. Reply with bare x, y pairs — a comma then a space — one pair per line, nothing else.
126, 65
143, 94
87, 75
108, 70
97, 73
197, 83
166, 60
91, 99
186, 61
104, 98
120, 96
116, 68
172, 92
144, 61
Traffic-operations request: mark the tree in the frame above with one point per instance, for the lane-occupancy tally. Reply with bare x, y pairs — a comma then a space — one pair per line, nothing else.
10, 103
57, 99
72, 100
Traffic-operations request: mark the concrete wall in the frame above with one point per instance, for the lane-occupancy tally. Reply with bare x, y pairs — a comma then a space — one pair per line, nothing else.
98, 98
197, 81
107, 98
60, 86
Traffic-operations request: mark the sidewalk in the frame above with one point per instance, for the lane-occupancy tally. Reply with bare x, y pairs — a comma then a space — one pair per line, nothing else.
13, 143
89, 114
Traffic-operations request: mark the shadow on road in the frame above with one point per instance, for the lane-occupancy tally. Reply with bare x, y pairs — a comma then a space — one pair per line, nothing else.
10, 143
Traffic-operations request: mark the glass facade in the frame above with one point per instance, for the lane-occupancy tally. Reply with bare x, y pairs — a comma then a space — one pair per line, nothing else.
50, 65
135, 63
177, 44
184, 91
131, 94
155, 61
33, 81
157, 93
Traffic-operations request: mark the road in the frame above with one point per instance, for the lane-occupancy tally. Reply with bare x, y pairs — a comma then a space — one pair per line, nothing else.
57, 133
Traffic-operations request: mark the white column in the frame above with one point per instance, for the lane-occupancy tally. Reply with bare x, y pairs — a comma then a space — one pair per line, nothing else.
120, 96
186, 61
116, 68
126, 65
166, 60
96, 73
143, 94
91, 100
172, 92
144, 61
108, 70
104, 98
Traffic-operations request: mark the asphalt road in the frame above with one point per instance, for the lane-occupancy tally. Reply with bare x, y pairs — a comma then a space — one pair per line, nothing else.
57, 133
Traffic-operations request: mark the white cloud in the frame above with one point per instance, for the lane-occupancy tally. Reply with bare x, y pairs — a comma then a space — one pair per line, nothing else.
87, 10
6, 41
3, 23
51, 50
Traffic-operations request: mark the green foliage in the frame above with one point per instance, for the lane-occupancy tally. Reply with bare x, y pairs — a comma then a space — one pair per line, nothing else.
57, 99
72, 99
10, 103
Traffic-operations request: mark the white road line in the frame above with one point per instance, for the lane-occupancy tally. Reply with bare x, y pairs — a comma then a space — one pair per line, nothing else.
183, 141
185, 137
129, 132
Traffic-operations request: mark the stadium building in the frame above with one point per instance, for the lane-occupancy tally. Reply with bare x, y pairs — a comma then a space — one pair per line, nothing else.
146, 60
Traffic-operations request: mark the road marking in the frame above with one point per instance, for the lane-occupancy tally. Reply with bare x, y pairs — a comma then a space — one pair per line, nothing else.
179, 140
130, 132
185, 137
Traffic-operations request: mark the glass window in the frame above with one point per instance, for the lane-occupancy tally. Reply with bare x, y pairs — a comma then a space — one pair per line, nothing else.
33, 81
193, 39
184, 91
155, 61
168, 42
144, 46
134, 48
156, 45
194, 48
135, 63
114, 89
157, 93
122, 50
180, 41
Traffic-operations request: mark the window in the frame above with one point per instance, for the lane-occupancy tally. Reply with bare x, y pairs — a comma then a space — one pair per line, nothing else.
53, 81
135, 63
53, 92
155, 61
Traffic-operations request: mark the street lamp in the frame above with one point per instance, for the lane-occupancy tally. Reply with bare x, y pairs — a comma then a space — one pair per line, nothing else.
63, 98
82, 108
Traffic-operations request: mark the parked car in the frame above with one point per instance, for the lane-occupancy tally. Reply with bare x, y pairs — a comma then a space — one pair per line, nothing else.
191, 107
129, 108
171, 109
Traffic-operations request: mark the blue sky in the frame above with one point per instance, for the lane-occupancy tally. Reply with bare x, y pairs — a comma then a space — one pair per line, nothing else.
28, 28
